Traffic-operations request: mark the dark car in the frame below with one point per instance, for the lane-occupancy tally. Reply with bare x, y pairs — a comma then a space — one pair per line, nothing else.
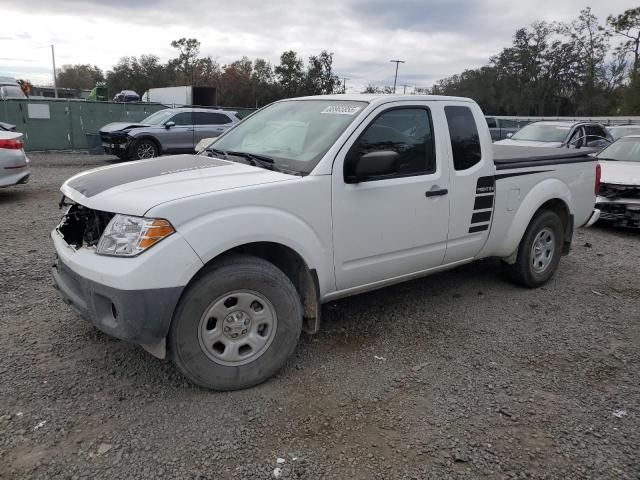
174, 130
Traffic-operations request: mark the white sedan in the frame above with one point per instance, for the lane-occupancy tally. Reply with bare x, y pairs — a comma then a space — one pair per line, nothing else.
619, 196
14, 164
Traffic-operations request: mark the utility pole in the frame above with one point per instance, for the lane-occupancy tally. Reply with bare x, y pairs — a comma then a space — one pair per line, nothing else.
55, 82
397, 62
344, 84
404, 92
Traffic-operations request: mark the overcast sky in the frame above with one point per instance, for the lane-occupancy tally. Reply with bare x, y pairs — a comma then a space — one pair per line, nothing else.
436, 38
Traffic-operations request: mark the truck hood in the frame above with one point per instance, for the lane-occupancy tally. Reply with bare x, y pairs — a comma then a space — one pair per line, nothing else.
134, 188
117, 126
620, 173
525, 143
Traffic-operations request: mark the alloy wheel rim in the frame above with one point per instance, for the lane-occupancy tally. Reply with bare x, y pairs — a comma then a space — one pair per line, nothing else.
237, 328
146, 150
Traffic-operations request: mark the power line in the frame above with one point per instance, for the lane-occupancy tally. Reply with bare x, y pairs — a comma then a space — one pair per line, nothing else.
397, 62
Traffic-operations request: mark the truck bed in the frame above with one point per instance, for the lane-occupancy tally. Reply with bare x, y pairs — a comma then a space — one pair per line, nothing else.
513, 156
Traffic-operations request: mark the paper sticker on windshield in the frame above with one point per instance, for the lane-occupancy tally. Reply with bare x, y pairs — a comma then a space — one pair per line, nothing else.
341, 109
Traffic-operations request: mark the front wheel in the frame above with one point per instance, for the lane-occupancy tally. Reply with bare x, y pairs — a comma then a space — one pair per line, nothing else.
236, 325
144, 148
539, 251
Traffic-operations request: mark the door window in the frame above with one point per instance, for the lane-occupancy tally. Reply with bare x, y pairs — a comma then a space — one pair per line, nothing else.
465, 141
595, 133
405, 131
210, 118
491, 122
183, 118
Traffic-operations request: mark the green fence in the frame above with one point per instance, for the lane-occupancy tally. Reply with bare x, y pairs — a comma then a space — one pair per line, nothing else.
64, 124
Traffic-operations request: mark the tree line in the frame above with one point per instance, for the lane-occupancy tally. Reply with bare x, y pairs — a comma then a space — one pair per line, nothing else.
583, 67
242, 83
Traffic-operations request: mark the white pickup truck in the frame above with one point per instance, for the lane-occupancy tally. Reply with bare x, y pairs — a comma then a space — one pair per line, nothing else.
220, 260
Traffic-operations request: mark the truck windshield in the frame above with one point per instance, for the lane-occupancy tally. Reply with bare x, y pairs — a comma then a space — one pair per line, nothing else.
542, 133
626, 149
294, 133
158, 118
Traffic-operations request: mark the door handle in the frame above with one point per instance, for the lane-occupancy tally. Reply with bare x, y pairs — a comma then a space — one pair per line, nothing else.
436, 193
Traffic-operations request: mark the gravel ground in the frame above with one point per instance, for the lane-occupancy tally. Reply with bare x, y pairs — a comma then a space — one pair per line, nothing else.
459, 375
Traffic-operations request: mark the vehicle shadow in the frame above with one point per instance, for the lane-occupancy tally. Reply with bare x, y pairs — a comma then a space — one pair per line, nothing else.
13, 194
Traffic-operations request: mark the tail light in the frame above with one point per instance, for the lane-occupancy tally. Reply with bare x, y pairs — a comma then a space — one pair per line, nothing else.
598, 177
12, 144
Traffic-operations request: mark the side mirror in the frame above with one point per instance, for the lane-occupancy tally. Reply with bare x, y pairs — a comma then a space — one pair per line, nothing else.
370, 165
168, 125
509, 135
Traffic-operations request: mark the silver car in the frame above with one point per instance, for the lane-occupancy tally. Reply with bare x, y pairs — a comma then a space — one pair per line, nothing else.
14, 164
174, 130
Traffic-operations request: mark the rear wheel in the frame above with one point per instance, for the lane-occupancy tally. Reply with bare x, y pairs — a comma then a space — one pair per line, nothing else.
539, 251
144, 148
236, 325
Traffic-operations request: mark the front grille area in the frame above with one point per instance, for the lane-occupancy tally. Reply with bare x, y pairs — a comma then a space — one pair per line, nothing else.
83, 227
610, 190
114, 137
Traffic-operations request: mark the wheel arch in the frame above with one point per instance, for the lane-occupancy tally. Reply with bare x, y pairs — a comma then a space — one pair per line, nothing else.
552, 195
146, 136
292, 264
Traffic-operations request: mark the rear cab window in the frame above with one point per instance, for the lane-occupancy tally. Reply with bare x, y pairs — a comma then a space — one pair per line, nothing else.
465, 140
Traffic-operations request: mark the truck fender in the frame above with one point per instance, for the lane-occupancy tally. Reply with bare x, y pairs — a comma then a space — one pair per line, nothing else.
218, 232
549, 189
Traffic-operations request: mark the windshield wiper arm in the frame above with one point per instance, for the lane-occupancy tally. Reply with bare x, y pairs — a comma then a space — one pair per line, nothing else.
255, 160
217, 152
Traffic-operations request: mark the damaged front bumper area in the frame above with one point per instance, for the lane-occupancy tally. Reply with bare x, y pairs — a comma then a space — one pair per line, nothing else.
619, 205
116, 143
123, 297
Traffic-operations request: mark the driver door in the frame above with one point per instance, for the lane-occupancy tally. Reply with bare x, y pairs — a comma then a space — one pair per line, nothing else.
390, 223
179, 137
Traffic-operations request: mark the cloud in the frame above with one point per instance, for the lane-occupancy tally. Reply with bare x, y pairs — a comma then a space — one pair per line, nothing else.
436, 38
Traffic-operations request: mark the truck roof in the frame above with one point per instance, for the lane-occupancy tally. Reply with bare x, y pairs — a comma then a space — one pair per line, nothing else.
382, 98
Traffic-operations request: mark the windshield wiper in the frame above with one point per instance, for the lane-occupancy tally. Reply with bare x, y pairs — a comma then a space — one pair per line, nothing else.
217, 152
255, 160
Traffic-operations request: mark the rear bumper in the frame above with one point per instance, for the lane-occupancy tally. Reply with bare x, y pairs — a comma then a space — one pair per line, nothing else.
137, 316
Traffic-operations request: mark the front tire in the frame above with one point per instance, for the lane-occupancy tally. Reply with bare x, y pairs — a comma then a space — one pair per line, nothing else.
236, 325
539, 251
144, 148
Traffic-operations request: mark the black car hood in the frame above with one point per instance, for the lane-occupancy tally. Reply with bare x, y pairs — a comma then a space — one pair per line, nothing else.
121, 126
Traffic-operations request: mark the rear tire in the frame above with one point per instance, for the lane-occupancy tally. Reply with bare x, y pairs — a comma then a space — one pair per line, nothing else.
539, 251
236, 325
144, 148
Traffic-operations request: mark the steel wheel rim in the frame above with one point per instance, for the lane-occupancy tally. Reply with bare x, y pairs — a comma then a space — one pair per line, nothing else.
542, 250
145, 150
237, 328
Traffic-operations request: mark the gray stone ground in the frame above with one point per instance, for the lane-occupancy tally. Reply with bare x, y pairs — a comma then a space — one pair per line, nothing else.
459, 375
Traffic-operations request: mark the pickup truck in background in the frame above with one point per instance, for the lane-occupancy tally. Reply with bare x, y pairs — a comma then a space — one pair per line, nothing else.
501, 128
220, 260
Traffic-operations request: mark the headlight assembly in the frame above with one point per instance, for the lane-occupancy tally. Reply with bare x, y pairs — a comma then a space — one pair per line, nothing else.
128, 236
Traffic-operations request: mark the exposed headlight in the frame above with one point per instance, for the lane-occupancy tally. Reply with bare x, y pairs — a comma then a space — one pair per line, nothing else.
127, 236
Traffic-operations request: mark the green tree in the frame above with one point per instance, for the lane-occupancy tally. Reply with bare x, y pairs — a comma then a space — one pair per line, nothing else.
79, 77
290, 73
320, 79
188, 51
